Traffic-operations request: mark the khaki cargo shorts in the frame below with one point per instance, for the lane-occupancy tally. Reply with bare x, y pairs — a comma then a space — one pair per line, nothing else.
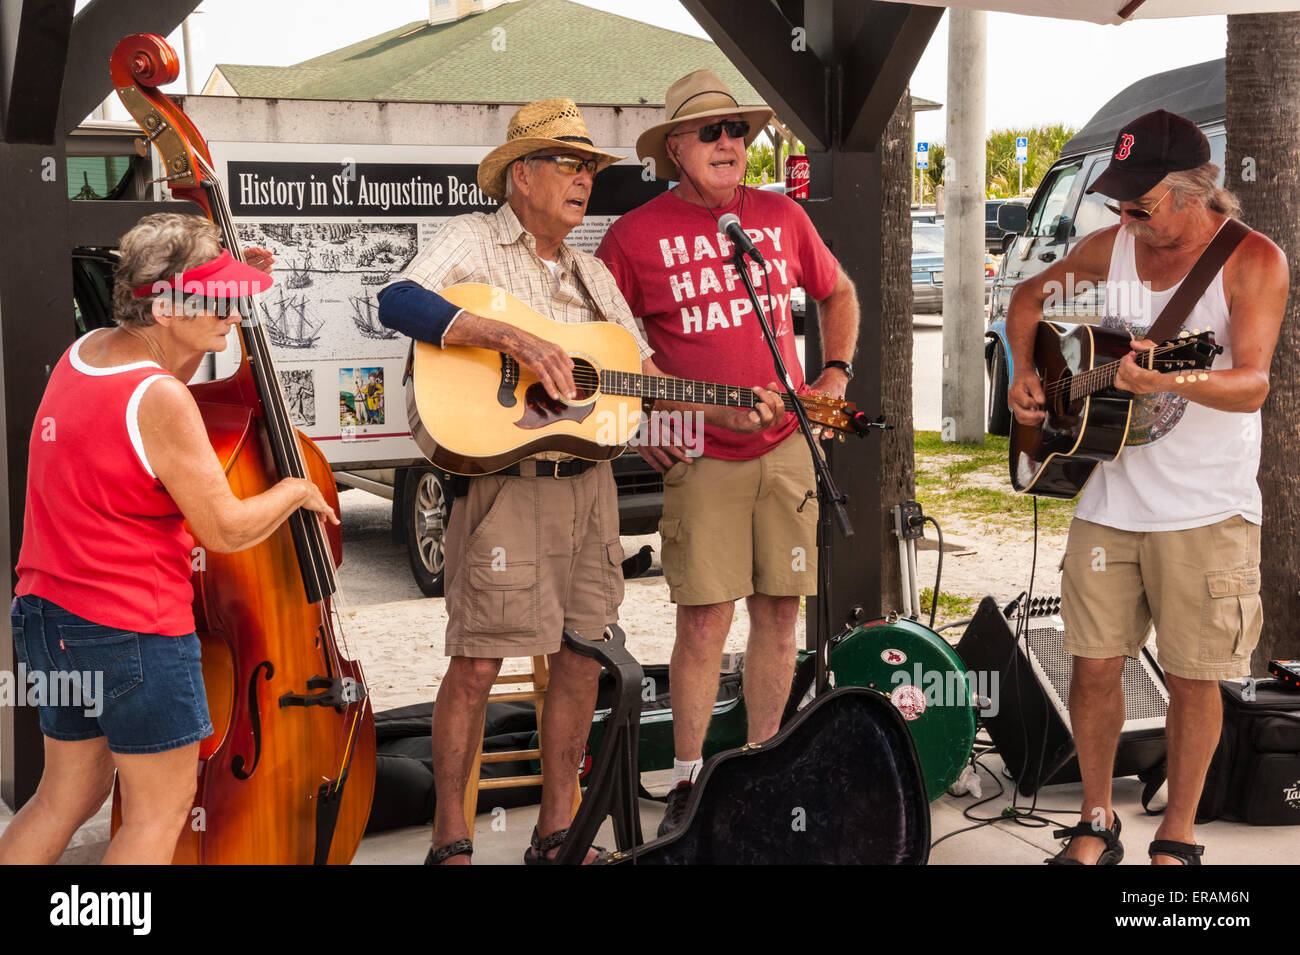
529, 556
1199, 586
734, 528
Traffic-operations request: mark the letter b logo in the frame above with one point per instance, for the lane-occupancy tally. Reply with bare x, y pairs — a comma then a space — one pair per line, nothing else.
1125, 147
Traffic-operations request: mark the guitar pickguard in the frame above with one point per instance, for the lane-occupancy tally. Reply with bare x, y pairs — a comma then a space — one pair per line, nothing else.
540, 409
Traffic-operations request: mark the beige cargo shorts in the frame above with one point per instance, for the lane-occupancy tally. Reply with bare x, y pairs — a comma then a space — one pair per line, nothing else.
734, 528
529, 556
1199, 586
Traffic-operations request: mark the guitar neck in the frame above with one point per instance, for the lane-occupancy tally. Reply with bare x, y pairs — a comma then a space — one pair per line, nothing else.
638, 385
1092, 380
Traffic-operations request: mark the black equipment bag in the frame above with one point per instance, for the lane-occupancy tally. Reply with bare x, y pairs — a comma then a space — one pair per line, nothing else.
1255, 774
840, 784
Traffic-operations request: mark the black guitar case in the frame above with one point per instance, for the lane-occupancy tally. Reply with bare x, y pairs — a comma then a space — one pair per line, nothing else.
841, 784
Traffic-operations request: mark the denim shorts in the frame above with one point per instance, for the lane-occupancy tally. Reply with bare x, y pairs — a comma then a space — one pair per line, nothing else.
142, 691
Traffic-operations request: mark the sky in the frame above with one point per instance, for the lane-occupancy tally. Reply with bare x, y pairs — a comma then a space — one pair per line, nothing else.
1031, 79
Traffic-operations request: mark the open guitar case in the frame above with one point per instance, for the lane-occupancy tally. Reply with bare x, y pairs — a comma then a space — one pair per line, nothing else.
840, 784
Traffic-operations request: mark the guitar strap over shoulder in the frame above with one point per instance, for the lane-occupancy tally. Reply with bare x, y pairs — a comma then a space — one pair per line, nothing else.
586, 290
1198, 280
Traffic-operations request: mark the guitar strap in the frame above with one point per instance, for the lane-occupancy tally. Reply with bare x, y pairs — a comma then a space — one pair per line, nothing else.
1198, 280
586, 290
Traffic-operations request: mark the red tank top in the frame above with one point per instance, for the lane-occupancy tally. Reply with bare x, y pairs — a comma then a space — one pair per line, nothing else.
102, 538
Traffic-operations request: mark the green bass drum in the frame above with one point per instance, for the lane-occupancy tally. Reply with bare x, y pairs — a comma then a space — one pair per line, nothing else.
928, 684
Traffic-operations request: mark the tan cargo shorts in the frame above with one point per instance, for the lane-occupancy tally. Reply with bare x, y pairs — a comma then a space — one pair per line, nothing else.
1199, 586
529, 556
734, 528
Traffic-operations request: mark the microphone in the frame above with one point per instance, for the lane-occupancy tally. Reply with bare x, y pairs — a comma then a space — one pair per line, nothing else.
730, 225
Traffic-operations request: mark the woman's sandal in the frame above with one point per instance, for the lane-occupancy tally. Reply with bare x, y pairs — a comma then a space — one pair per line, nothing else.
1185, 852
536, 852
1111, 855
461, 847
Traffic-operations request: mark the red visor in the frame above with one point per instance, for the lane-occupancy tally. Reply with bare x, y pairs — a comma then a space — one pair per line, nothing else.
223, 277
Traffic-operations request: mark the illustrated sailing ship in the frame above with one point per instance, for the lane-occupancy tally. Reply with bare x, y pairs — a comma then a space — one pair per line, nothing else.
366, 317
289, 326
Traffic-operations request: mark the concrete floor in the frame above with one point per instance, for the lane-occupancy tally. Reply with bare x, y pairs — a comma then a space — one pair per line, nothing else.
500, 839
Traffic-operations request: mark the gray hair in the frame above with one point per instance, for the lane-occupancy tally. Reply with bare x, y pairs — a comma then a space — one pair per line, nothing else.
1202, 183
510, 175
156, 249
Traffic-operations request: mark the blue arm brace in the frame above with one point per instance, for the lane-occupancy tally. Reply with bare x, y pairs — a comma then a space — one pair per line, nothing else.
413, 310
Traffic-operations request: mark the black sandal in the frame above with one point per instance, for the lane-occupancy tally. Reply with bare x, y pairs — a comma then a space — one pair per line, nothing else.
1187, 853
536, 852
461, 847
1111, 855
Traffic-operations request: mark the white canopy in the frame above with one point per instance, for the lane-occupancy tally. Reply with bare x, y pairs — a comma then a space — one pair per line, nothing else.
1116, 11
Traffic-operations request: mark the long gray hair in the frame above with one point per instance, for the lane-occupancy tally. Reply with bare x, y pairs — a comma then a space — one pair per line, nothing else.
158, 247
1202, 183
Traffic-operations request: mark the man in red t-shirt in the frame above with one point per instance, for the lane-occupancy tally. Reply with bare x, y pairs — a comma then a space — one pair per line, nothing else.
741, 521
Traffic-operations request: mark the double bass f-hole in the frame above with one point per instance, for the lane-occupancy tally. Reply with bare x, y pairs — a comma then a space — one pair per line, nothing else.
255, 721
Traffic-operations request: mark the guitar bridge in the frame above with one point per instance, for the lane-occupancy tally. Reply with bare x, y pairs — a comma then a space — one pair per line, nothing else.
509, 378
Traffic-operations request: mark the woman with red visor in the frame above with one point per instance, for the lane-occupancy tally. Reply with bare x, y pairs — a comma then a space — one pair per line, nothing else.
102, 621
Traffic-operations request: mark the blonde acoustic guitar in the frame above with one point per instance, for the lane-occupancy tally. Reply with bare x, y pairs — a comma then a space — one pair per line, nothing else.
474, 411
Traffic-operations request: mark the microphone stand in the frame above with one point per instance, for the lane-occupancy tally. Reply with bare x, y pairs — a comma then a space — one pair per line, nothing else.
829, 499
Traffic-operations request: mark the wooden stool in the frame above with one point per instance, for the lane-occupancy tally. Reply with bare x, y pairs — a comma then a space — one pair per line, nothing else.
539, 678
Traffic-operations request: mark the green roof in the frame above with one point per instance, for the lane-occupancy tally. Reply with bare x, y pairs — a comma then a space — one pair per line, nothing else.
515, 53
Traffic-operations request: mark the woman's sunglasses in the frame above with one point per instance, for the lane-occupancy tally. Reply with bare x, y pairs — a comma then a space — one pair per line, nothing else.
737, 129
192, 305
1142, 215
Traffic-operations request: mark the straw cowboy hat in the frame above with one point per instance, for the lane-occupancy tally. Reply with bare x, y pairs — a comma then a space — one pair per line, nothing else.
546, 124
695, 96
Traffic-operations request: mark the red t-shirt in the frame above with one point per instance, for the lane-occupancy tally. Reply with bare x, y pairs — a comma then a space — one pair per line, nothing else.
674, 268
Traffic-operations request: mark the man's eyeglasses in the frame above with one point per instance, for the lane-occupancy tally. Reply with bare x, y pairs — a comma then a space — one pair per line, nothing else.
737, 129
1140, 214
569, 165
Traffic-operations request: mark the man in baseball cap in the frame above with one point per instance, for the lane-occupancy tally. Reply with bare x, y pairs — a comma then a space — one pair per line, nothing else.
1168, 532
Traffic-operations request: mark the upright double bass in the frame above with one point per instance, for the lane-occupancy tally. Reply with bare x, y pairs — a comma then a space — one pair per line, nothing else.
289, 773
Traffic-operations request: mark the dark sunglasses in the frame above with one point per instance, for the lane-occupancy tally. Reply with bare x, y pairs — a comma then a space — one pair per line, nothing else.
193, 305
737, 129
569, 165
1142, 215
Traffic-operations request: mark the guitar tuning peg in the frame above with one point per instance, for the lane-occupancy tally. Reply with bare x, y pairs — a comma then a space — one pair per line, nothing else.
1196, 331
1180, 379
1183, 333
1204, 376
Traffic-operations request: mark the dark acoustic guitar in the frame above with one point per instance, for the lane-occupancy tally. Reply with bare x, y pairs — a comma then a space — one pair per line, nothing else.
1087, 416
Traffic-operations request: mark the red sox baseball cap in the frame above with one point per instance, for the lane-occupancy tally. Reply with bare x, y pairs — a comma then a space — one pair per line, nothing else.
1147, 150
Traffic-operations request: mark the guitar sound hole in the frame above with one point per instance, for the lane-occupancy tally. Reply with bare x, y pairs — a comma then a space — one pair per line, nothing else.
1058, 402
586, 379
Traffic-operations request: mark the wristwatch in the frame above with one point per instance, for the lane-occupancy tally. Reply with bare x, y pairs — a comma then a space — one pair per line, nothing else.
843, 366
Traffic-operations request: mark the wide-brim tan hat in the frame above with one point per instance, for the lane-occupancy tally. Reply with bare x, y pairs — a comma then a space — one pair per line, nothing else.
696, 95
546, 124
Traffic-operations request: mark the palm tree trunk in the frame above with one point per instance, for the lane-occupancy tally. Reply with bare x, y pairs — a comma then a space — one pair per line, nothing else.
897, 452
1262, 167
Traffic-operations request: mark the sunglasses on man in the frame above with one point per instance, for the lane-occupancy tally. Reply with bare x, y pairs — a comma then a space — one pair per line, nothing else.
737, 129
1142, 215
569, 165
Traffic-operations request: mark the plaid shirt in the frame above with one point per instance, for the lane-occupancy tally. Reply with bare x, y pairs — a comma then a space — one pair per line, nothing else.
496, 250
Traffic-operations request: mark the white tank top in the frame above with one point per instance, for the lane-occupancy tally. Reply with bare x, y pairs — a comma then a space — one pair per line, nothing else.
1183, 464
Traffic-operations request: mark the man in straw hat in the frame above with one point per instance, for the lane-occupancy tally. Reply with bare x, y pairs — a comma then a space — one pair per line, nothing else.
735, 521
553, 520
